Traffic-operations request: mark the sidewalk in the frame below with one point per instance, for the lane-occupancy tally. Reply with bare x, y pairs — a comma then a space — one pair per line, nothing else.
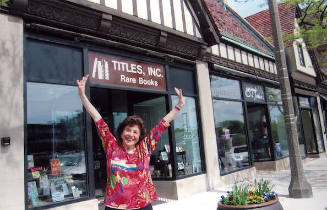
315, 171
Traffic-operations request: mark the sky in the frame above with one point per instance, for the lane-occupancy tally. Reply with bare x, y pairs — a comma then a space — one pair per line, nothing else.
247, 7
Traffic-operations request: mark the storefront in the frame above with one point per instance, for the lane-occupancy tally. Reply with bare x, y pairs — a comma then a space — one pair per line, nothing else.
249, 123
134, 59
309, 127
65, 160
307, 105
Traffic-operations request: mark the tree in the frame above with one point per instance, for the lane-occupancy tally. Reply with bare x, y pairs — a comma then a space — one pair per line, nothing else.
312, 20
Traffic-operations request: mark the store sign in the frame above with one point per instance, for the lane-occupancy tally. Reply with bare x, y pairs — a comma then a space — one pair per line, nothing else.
254, 93
110, 70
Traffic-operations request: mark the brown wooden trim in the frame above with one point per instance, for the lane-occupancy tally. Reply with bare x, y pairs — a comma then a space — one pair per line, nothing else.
119, 5
305, 92
148, 6
183, 16
135, 8
241, 67
161, 13
303, 78
173, 13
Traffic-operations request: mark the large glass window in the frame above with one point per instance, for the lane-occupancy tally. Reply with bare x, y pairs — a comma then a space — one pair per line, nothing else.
187, 138
316, 121
230, 134
55, 144
225, 88
278, 130
277, 122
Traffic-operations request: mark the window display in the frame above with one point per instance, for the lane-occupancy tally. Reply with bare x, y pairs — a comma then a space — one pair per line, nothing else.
187, 139
55, 144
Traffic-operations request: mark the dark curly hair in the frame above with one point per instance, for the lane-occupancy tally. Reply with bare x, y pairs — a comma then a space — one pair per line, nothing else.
131, 121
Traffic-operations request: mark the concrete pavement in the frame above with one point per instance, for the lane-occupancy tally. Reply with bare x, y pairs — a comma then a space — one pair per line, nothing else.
315, 171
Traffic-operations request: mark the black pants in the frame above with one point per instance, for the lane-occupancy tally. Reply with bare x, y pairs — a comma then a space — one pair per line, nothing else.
148, 207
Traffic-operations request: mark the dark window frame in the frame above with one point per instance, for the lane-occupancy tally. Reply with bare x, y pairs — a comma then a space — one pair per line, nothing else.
244, 104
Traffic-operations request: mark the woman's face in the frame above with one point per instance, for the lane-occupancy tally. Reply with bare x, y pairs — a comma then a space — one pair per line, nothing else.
130, 136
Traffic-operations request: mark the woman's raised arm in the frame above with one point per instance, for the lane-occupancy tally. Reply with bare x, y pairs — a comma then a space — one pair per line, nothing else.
181, 102
85, 101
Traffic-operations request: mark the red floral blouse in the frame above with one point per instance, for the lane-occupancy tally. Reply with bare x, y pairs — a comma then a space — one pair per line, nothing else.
129, 183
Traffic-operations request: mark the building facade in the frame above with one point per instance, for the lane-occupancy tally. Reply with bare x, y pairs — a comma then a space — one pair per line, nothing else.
135, 52
303, 78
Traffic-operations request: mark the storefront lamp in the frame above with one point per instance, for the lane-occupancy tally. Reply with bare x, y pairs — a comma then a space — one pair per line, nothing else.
5, 141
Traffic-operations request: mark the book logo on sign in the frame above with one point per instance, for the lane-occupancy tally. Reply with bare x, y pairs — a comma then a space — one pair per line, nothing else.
100, 69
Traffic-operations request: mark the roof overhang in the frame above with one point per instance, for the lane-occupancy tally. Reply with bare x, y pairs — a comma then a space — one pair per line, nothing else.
209, 31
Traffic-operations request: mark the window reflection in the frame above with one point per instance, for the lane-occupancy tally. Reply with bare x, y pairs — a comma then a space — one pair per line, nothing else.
55, 144
278, 131
230, 133
316, 121
187, 138
225, 88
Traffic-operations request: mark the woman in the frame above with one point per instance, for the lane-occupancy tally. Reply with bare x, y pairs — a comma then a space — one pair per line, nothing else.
129, 183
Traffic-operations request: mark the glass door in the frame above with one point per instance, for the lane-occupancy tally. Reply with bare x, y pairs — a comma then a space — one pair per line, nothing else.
308, 131
152, 108
258, 132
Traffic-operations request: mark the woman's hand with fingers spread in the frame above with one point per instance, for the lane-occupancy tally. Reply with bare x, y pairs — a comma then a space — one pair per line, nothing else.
81, 85
181, 99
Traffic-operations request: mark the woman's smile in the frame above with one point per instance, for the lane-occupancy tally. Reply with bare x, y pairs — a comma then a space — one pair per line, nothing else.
130, 136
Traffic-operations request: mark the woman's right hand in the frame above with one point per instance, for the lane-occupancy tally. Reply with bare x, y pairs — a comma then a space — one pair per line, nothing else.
81, 85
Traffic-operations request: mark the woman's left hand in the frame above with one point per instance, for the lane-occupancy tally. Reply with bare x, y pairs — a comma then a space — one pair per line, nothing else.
181, 99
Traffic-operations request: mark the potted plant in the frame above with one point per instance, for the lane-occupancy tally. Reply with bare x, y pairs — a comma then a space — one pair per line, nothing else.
245, 195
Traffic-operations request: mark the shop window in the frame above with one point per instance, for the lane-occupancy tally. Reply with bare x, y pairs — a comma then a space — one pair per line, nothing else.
55, 145
278, 130
182, 79
225, 88
187, 139
277, 122
52, 63
316, 121
230, 133
258, 131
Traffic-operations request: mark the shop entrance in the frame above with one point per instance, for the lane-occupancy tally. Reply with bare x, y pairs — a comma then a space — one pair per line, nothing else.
258, 132
114, 106
309, 133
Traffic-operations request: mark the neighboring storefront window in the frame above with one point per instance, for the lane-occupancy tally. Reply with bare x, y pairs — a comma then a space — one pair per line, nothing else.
277, 122
316, 121
310, 124
225, 88
55, 144
229, 124
187, 138
230, 134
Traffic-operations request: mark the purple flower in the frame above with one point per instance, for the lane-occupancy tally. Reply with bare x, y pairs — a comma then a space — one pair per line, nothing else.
222, 197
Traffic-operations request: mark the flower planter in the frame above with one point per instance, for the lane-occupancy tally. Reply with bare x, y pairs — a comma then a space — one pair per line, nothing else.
270, 205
